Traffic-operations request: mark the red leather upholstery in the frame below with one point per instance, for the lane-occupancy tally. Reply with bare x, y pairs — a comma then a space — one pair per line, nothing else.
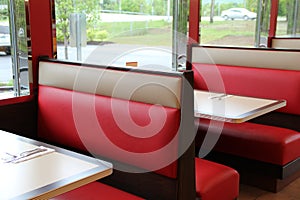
215, 181
96, 191
255, 141
74, 112
135, 118
247, 81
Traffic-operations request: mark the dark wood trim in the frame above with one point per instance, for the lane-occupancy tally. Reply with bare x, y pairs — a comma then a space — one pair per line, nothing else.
266, 176
291, 168
245, 164
278, 119
149, 185
255, 166
267, 183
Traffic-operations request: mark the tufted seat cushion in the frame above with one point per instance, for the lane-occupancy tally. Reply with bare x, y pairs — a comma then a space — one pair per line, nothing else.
215, 181
95, 191
255, 141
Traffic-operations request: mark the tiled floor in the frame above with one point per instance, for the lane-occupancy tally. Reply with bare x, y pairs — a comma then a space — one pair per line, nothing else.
290, 192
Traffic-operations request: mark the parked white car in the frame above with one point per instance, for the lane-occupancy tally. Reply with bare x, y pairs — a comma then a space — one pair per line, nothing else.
5, 39
238, 13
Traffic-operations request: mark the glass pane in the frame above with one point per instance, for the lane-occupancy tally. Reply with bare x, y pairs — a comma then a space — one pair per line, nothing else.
288, 21
230, 23
14, 51
6, 74
19, 39
263, 23
116, 32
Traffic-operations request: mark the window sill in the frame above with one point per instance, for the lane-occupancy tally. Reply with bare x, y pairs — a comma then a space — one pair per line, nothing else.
6, 95
7, 98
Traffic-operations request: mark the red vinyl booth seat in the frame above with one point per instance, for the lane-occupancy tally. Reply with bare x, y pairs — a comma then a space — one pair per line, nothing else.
79, 114
269, 143
265, 143
96, 191
54, 100
215, 181
255, 141
114, 114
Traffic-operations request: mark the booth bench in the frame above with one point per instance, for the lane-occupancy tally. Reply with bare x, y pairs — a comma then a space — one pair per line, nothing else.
141, 121
265, 150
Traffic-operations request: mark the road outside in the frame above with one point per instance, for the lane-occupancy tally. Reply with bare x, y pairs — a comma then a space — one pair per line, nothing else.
111, 54
119, 54
5, 68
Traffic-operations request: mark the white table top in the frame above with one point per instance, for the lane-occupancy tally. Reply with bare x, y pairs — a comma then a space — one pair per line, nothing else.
47, 175
232, 108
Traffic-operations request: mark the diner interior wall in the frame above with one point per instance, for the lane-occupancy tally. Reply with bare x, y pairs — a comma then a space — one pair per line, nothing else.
18, 115
19, 118
42, 43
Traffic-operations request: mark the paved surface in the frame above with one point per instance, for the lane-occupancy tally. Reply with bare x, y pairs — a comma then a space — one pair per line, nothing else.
118, 55
5, 68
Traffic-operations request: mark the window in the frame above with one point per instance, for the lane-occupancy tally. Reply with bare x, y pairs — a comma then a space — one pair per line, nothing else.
14, 80
228, 23
121, 32
288, 20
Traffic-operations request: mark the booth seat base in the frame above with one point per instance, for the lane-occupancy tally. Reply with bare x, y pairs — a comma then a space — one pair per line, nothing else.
259, 174
267, 183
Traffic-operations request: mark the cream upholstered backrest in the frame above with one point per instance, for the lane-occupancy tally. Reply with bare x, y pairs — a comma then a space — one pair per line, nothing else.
286, 43
247, 57
163, 90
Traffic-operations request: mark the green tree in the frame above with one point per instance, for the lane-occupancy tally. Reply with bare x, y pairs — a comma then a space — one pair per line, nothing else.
64, 8
110, 5
91, 8
293, 16
139, 6
160, 7
282, 8
212, 11
4, 14
251, 5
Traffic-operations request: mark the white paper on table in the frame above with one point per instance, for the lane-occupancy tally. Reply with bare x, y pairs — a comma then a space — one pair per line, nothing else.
7, 157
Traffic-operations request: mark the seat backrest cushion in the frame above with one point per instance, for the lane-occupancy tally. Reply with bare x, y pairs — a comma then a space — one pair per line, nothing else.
111, 113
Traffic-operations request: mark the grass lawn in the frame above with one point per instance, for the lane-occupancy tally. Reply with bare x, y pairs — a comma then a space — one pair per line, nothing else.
152, 33
153, 37
220, 29
159, 33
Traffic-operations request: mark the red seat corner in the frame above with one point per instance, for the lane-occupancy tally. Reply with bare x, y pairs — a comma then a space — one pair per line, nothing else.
216, 181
